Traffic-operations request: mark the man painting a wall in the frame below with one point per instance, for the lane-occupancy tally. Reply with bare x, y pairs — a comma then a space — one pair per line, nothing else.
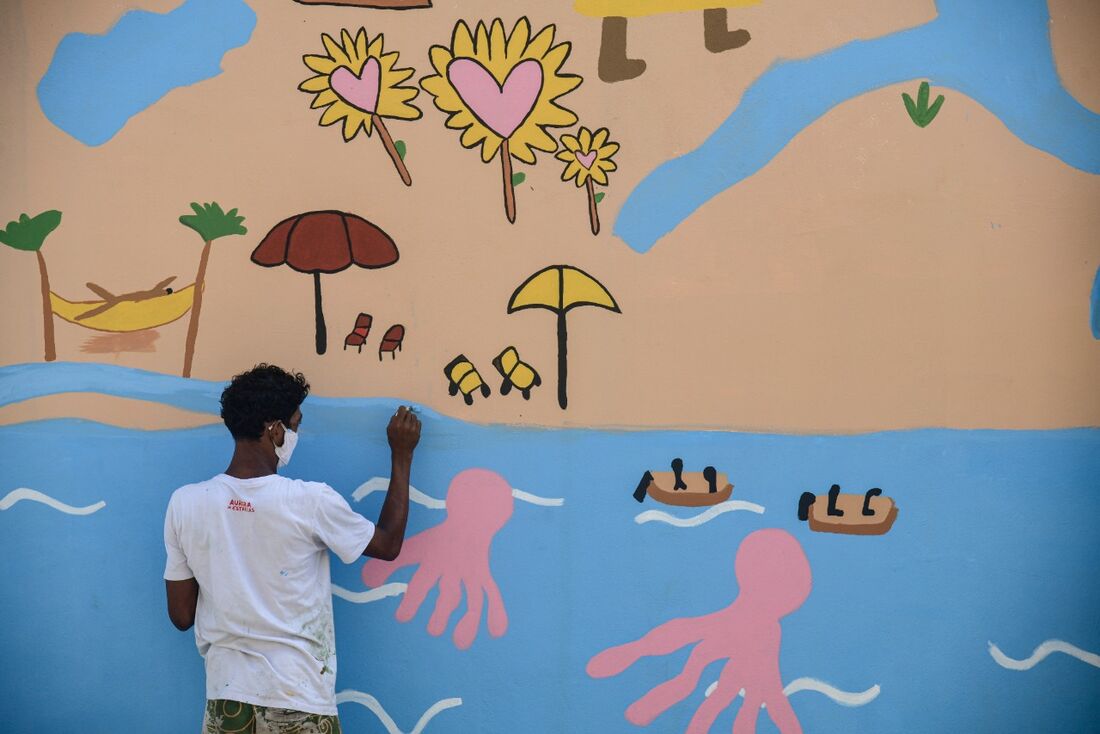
248, 561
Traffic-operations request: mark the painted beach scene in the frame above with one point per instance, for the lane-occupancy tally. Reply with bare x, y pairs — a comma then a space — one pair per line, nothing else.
754, 347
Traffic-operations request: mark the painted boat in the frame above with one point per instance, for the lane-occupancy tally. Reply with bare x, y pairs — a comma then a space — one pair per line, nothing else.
685, 489
127, 315
871, 513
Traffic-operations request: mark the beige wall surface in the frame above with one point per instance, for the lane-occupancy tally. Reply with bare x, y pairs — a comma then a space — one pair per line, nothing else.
874, 275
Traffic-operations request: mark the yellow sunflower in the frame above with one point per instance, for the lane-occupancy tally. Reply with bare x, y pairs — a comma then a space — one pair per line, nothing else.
588, 159
501, 90
358, 83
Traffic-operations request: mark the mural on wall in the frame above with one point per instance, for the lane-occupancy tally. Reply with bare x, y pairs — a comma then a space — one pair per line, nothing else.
360, 85
560, 289
502, 92
685, 489
609, 601
920, 112
1011, 73
357, 337
325, 242
210, 223
616, 66
143, 57
455, 556
588, 159
392, 341
773, 580
870, 513
463, 377
129, 316
29, 234
563, 609
116, 344
516, 373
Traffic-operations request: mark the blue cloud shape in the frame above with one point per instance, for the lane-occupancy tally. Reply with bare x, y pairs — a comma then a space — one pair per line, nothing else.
95, 83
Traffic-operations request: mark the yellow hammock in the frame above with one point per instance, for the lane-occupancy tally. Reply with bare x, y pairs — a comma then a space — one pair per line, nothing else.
127, 315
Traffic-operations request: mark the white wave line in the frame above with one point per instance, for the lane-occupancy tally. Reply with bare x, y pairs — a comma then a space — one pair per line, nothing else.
369, 701
1041, 652
844, 698
365, 597
381, 484
705, 516
22, 493
535, 499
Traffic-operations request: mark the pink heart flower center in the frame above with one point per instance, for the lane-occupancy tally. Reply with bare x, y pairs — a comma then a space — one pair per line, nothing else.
502, 108
587, 159
359, 91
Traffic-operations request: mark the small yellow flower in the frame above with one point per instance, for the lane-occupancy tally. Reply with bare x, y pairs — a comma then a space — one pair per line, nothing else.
588, 155
356, 81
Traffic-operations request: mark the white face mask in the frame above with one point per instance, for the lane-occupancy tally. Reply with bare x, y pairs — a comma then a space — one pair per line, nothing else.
290, 440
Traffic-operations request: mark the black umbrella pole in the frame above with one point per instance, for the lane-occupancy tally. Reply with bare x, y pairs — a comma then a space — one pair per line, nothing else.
322, 332
563, 362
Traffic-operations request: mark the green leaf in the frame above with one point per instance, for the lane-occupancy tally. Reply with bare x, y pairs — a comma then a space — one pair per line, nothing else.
518, 178
919, 111
910, 107
211, 222
29, 233
934, 109
599, 197
400, 146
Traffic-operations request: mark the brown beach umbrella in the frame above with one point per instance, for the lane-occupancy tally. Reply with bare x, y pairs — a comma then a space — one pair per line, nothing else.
325, 242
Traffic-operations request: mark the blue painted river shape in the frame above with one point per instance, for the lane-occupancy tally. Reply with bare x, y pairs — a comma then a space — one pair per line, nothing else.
95, 83
995, 540
996, 52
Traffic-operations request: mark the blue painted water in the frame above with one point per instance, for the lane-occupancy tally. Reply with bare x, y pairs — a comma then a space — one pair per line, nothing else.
998, 53
995, 541
95, 83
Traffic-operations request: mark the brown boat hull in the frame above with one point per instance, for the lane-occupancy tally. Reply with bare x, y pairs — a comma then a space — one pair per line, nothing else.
697, 494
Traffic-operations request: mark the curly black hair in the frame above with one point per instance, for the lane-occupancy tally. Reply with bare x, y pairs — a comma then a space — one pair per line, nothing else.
262, 395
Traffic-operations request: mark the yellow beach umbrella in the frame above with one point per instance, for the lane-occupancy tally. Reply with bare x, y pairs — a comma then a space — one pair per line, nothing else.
561, 288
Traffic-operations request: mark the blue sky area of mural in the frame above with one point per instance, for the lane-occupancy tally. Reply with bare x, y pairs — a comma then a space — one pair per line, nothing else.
990, 545
1010, 71
95, 83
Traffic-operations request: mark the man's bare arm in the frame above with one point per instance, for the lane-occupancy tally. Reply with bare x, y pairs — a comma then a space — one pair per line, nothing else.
389, 534
183, 598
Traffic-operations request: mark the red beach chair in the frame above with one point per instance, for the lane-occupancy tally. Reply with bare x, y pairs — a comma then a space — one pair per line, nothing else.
391, 341
358, 335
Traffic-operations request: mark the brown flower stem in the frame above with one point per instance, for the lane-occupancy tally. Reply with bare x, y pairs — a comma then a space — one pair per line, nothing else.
509, 190
196, 307
387, 141
47, 309
593, 214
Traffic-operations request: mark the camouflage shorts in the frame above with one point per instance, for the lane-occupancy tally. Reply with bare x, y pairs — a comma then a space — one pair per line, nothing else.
234, 717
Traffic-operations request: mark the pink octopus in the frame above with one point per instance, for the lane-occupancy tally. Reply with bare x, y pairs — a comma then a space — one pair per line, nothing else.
453, 554
774, 579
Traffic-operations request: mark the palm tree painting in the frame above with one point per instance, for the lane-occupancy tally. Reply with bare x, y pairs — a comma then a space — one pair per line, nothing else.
211, 223
29, 234
561, 288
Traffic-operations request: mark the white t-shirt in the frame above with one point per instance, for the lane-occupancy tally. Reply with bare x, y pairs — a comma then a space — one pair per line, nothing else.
259, 551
